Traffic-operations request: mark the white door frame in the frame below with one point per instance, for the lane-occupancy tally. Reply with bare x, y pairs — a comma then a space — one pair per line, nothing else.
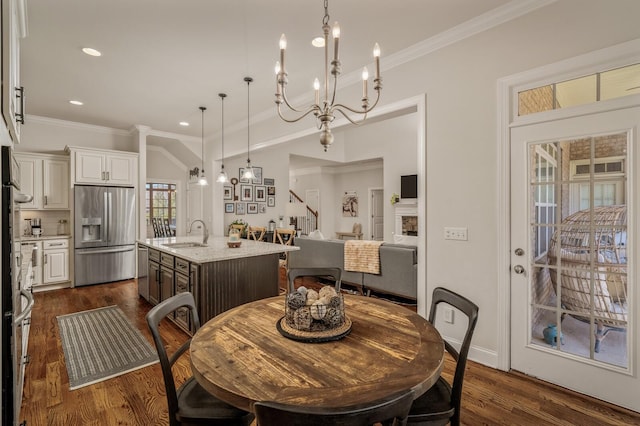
508, 87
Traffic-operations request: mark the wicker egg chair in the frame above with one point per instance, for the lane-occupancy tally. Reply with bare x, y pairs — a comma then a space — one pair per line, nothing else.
606, 266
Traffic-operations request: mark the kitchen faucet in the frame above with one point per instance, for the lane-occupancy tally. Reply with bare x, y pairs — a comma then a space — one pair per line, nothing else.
205, 232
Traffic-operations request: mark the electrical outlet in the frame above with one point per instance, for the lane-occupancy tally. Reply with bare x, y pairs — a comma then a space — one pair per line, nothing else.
459, 234
448, 315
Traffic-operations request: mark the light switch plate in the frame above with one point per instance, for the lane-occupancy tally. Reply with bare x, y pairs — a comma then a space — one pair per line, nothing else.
459, 234
448, 315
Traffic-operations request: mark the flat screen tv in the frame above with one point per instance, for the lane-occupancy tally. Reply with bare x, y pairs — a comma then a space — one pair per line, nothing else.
409, 186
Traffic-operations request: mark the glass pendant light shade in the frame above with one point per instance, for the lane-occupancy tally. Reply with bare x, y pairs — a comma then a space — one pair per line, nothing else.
222, 176
248, 171
203, 179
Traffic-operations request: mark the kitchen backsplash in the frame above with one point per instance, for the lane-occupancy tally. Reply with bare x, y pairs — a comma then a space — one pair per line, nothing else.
48, 218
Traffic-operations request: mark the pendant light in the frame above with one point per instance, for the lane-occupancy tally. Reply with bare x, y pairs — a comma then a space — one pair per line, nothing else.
222, 176
248, 171
203, 179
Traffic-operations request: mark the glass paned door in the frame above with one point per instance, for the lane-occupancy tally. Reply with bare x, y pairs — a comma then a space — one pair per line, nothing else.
573, 236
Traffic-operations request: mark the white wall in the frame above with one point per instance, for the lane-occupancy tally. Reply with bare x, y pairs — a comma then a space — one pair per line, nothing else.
51, 136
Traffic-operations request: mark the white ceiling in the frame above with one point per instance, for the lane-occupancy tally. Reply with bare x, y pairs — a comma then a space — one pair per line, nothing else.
162, 59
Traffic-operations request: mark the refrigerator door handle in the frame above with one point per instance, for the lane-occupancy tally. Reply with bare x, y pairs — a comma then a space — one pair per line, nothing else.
83, 252
27, 295
106, 217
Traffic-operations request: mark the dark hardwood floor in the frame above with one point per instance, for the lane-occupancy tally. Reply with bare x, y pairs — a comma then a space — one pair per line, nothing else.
491, 397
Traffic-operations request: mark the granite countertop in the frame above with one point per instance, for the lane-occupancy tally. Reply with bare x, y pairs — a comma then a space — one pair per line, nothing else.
216, 248
25, 238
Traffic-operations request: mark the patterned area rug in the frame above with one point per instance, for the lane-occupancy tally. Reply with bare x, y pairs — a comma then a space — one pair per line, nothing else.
100, 344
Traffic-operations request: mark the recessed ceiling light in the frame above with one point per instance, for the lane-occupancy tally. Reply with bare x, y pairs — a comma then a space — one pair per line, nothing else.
73, 102
184, 123
318, 42
91, 51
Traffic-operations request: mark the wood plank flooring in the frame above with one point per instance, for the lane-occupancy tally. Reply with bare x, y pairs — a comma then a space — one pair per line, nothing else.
491, 397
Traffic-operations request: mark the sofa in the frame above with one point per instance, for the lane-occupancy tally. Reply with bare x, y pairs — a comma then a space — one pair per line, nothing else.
398, 266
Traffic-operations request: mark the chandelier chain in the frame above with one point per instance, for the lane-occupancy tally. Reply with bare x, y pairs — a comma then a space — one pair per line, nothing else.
325, 19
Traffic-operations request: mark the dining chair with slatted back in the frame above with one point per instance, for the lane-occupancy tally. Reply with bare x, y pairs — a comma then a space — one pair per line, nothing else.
190, 403
256, 233
293, 273
441, 403
284, 236
157, 232
167, 228
389, 411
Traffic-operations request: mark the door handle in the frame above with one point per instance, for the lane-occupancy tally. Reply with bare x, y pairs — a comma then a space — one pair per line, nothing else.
20, 96
518, 269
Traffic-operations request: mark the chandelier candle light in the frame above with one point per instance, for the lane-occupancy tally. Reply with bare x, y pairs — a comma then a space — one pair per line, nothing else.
222, 176
248, 171
324, 109
203, 179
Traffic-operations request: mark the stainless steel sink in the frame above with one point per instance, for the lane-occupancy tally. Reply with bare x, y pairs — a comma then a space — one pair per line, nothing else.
184, 245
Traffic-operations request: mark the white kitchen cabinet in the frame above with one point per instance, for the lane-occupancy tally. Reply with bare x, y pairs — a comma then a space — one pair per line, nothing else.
56, 261
14, 28
46, 177
104, 167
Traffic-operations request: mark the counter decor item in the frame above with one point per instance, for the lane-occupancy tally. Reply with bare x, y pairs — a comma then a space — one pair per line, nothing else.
314, 316
234, 238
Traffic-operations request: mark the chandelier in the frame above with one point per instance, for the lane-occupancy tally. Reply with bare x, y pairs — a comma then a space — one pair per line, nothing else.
324, 109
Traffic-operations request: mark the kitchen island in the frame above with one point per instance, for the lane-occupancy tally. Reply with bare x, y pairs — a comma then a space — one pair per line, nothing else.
219, 277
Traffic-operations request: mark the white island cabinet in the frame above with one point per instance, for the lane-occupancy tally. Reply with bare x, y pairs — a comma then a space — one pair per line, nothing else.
103, 167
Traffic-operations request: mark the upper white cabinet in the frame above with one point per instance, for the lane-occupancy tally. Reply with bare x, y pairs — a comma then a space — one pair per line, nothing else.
14, 27
104, 167
46, 177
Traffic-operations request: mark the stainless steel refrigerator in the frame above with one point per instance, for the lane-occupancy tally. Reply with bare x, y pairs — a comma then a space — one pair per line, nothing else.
105, 229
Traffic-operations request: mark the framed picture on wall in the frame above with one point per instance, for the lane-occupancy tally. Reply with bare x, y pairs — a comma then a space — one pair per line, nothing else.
271, 201
260, 193
240, 208
271, 190
246, 192
228, 192
262, 208
269, 181
228, 207
252, 208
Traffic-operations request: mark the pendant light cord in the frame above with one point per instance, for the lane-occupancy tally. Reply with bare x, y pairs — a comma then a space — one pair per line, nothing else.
222, 96
202, 133
248, 80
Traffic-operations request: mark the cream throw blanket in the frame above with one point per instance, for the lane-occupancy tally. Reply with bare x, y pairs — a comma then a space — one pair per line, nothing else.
362, 256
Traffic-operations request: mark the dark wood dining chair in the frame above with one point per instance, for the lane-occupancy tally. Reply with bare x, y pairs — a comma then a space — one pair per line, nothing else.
157, 231
190, 403
168, 232
441, 403
389, 411
293, 273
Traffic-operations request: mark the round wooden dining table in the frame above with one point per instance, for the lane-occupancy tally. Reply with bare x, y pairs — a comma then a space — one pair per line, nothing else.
240, 356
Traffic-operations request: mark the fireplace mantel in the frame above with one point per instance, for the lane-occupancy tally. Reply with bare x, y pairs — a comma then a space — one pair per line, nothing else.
405, 209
